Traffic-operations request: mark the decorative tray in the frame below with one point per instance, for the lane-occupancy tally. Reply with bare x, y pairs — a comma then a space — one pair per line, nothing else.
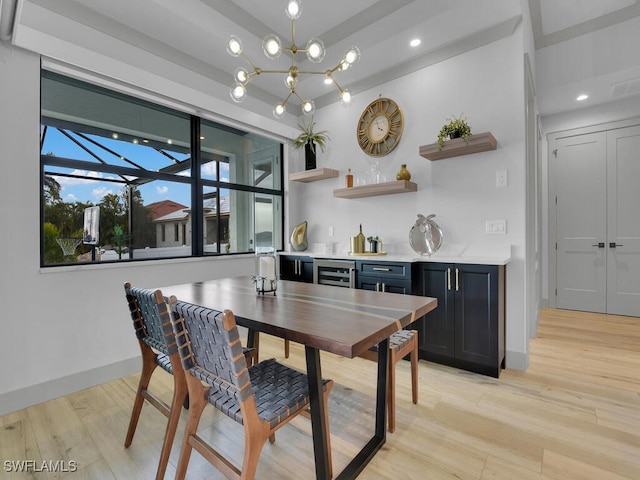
368, 254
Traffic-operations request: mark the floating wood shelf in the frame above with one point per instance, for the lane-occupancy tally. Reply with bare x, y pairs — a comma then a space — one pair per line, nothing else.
480, 142
313, 175
386, 188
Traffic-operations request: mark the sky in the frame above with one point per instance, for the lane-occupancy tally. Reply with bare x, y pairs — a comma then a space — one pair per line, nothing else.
96, 185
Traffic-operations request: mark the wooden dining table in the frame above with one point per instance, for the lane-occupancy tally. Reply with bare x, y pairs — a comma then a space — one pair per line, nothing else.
342, 321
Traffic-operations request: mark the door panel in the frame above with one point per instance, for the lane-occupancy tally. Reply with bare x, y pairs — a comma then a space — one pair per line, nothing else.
581, 222
623, 262
476, 304
437, 328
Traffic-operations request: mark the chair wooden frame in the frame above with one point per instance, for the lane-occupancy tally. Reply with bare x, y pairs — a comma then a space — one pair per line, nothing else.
152, 324
400, 345
217, 374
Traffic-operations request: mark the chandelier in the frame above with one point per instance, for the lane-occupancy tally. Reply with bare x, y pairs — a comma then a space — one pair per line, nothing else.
272, 47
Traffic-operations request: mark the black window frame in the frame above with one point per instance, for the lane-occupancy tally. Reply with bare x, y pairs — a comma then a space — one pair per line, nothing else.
195, 181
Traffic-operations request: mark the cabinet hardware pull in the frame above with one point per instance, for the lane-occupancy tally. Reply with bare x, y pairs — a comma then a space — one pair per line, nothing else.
614, 245
448, 279
457, 283
380, 269
599, 245
377, 286
384, 287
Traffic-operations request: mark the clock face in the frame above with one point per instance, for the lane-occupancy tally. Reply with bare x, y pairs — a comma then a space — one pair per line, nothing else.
380, 127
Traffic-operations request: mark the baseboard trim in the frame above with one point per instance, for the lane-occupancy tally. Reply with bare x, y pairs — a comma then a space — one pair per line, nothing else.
517, 360
41, 392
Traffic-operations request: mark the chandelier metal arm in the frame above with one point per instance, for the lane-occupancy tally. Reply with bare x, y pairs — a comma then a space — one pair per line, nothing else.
272, 47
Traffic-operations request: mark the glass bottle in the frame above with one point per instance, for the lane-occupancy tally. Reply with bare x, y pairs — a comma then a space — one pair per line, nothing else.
349, 178
360, 241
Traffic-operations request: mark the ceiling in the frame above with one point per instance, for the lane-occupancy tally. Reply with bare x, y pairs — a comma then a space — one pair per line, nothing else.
193, 33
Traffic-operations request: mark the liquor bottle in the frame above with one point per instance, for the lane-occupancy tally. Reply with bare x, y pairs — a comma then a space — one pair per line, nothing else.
360, 241
349, 178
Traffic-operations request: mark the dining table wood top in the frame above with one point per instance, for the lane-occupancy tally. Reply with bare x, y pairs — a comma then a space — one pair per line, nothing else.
344, 321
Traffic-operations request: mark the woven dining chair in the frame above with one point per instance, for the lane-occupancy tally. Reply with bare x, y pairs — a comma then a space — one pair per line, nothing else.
262, 397
401, 344
152, 324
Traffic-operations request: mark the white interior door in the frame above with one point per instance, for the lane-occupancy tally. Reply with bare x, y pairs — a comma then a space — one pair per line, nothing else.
623, 239
581, 229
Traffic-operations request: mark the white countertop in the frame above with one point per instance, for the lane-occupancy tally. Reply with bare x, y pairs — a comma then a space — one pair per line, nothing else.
477, 254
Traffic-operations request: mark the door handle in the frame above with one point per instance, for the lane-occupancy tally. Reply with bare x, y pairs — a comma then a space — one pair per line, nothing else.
599, 245
614, 245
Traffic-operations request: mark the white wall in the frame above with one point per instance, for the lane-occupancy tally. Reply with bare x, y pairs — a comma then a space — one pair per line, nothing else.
486, 85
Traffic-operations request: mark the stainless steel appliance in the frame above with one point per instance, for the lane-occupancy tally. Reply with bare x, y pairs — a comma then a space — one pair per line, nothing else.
340, 273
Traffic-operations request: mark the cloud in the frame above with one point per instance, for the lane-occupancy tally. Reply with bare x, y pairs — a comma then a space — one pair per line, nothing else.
100, 192
91, 177
71, 198
162, 190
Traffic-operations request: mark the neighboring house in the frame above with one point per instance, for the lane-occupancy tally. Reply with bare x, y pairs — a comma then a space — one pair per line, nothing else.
173, 229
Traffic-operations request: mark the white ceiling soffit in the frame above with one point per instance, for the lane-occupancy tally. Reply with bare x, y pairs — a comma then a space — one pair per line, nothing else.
555, 21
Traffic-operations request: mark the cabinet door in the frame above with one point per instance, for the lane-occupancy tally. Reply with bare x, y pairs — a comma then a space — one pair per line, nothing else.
476, 313
287, 268
306, 270
437, 329
297, 268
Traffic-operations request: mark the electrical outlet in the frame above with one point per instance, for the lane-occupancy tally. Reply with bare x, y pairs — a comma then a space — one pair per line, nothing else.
501, 178
496, 227
331, 231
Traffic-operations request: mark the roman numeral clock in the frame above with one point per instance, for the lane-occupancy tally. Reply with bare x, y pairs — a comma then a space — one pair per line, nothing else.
380, 127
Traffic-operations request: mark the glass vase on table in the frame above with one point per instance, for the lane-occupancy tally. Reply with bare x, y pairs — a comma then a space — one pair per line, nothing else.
266, 280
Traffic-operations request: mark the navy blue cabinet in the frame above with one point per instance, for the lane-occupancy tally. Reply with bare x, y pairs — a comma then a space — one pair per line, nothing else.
296, 267
466, 330
384, 276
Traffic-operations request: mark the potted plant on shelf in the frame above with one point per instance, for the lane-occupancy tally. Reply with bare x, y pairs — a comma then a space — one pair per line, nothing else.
457, 127
309, 139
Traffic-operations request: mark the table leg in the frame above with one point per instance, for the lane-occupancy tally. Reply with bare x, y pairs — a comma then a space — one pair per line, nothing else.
314, 377
380, 436
253, 341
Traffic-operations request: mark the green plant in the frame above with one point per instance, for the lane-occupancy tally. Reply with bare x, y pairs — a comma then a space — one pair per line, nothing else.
456, 127
307, 135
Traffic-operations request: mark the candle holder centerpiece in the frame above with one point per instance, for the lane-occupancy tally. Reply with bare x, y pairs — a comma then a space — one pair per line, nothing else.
265, 279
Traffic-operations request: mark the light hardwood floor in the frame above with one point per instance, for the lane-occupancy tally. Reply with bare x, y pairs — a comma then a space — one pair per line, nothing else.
574, 414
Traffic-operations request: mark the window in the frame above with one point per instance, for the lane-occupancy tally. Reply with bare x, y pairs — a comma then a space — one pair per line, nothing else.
136, 161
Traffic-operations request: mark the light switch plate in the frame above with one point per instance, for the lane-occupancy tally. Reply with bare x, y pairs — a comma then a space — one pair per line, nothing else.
501, 178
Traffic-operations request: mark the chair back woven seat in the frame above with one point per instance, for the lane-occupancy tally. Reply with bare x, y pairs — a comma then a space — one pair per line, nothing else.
152, 325
274, 404
398, 340
262, 397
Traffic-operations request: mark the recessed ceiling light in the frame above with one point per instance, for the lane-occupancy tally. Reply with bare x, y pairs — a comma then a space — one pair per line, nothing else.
582, 97
114, 136
415, 42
